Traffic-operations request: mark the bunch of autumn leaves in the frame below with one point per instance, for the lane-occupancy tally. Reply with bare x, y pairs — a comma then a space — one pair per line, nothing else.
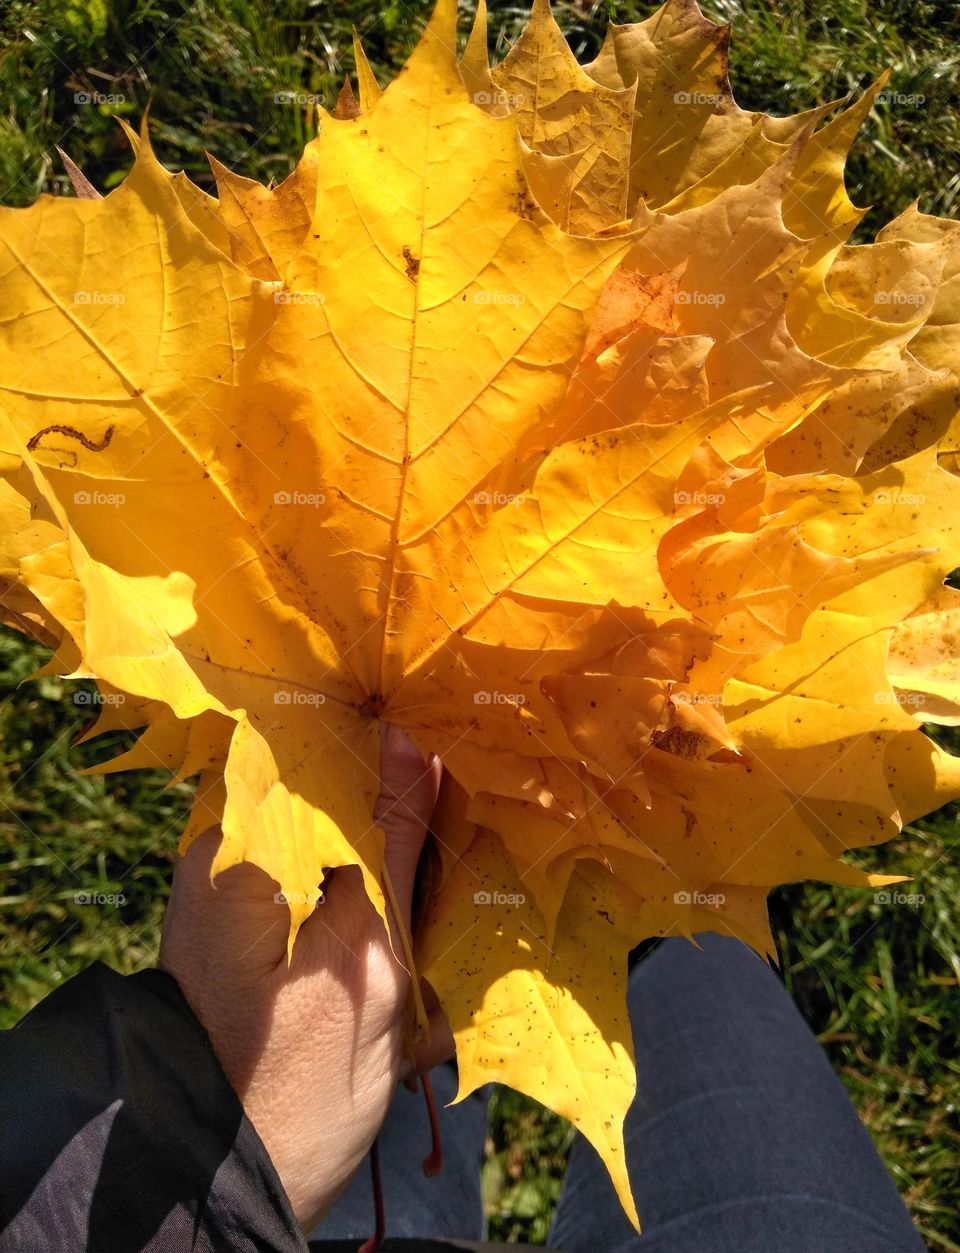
546, 412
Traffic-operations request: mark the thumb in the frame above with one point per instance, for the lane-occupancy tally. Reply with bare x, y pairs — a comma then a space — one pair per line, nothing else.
408, 793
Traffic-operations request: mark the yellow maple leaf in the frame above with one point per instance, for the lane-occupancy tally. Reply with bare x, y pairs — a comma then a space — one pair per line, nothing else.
545, 412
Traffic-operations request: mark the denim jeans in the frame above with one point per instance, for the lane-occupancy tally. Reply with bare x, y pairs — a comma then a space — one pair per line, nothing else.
741, 1138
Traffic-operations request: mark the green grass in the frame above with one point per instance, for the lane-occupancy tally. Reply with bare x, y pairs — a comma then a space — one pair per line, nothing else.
878, 983
63, 835
210, 71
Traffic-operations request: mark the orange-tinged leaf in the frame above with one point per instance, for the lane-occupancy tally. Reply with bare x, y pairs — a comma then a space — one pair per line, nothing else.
347, 103
267, 225
686, 122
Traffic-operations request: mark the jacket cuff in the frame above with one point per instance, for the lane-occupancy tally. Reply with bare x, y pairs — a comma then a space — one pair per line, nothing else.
122, 1132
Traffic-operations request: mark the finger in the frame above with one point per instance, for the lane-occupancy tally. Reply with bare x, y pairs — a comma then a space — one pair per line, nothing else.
408, 794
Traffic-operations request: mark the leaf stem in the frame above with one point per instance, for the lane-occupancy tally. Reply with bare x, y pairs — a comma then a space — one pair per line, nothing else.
433, 1163
375, 1241
407, 946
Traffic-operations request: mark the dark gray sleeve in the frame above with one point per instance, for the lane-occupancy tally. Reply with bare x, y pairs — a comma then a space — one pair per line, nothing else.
119, 1131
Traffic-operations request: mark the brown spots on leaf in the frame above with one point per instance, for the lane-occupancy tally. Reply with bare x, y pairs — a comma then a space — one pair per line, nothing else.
413, 264
524, 204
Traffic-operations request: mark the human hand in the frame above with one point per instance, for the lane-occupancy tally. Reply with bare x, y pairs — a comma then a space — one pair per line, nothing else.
313, 1049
